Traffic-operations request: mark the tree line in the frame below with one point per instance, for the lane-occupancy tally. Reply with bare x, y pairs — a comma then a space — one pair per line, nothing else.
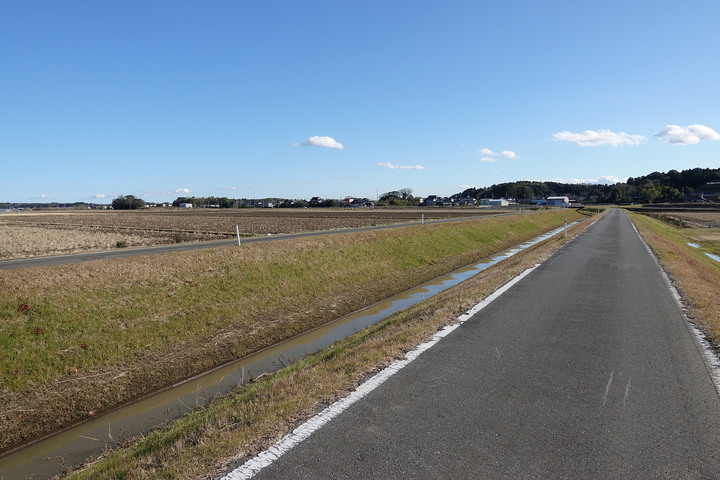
655, 187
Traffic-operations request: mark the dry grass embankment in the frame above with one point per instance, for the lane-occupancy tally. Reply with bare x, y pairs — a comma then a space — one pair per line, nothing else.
695, 275
77, 339
205, 443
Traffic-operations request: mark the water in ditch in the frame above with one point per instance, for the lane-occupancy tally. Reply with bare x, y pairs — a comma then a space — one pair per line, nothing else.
73, 446
711, 255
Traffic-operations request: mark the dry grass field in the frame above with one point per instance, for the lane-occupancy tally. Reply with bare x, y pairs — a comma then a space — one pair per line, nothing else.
697, 219
34, 234
24, 241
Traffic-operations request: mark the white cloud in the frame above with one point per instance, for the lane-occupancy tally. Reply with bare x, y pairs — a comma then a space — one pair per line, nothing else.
401, 167
594, 138
325, 142
465, 187
153, 193
99, 195
490, 156
609, 180
688, 135
43, 196
604, 180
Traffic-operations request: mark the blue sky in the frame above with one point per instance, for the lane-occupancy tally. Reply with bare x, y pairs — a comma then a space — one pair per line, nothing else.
162, 99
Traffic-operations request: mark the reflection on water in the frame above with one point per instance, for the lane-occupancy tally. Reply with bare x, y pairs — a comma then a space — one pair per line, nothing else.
45, 458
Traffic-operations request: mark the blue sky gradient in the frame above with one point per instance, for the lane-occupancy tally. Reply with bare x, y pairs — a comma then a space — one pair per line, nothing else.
163, 99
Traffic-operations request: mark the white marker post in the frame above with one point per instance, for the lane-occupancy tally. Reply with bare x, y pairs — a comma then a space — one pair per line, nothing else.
237, 231
566, 228
422, 219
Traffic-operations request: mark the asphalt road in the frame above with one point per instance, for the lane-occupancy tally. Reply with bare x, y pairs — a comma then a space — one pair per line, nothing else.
584, 369
134, 252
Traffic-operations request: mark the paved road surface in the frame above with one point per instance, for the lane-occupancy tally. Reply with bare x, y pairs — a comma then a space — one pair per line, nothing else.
584, 369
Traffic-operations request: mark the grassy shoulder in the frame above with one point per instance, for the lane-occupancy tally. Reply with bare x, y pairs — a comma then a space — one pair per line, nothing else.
205, 443
695, 274
78, 339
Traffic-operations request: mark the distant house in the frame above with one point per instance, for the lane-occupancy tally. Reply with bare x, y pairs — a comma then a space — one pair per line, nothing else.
185, 205
695, 197
466, 201
432, 200
495, 202
355, 202
558, 201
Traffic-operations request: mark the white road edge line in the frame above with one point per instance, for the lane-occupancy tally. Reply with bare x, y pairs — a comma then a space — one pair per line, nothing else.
266, 458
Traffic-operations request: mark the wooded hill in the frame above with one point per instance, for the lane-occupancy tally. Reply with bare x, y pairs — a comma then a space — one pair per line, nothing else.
652, 188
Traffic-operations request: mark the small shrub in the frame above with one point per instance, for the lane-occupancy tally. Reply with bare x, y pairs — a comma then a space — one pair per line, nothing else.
121, 244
